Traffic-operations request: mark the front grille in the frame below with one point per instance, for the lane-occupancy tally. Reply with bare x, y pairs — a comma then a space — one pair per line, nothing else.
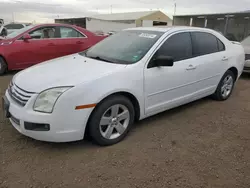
19, 95
247, 56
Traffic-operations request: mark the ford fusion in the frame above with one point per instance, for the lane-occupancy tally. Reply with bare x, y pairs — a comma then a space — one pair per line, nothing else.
128, 76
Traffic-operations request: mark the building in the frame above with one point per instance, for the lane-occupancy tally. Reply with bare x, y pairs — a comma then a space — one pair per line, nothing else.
236, 23
119, 21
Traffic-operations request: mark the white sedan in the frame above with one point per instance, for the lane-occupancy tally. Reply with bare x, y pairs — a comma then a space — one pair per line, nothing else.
128, 76
246, 45
11, 27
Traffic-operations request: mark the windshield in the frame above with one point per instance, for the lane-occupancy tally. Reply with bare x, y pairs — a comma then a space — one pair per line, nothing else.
246, 41
18, 32
125, 47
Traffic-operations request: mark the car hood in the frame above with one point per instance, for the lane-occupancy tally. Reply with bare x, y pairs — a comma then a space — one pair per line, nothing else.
65, 71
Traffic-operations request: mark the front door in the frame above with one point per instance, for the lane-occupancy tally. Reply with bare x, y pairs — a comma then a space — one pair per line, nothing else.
167, 87
39, 48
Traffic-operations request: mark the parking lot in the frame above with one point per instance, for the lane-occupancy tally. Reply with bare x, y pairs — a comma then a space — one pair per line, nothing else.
203, 144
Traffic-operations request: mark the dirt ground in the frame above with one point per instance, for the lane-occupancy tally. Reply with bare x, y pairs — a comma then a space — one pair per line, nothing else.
203, 144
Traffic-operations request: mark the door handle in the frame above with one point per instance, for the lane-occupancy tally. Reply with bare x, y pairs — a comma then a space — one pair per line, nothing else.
190, 67
224, 59
79, 42
51, 44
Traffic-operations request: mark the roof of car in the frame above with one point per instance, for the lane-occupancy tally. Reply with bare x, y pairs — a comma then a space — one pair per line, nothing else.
53, 24
168, 28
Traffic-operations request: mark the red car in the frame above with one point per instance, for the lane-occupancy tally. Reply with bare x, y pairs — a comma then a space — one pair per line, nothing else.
37, 43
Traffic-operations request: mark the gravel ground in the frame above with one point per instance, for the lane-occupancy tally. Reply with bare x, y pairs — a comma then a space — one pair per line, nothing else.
203, 144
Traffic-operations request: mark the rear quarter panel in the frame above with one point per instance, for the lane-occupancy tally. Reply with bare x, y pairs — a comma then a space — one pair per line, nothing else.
237, 56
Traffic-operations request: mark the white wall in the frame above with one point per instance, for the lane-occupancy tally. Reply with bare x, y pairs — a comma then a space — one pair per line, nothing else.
106, 26
147, 23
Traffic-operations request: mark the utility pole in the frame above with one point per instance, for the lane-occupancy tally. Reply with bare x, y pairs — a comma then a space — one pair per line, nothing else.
111, 9
13, 17
174, 11
174, 8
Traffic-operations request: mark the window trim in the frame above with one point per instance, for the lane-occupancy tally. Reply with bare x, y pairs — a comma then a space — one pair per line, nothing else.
181, 31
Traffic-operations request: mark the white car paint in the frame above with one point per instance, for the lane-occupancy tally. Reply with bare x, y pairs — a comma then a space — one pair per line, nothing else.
156, 89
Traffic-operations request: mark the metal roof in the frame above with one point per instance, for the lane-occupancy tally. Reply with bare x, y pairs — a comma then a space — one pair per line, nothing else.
123, 16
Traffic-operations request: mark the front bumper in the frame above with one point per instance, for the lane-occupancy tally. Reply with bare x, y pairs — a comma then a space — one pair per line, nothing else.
66, 124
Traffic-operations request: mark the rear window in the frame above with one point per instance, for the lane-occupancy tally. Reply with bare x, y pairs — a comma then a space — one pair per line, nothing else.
14, 26
221, 46
205, 43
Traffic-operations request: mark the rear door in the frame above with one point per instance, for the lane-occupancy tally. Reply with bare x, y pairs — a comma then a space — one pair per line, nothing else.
70, 41
209, 59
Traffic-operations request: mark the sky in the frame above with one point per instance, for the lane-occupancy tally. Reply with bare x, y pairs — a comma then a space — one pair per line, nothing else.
43, 11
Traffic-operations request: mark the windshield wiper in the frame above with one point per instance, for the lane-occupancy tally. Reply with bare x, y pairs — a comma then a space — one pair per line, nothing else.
100, 58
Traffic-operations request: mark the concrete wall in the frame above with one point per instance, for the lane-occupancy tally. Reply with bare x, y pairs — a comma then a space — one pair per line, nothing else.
182, 21
106, 26
147, 23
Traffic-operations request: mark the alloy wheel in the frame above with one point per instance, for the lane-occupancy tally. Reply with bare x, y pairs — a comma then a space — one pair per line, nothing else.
227, 86
114, 121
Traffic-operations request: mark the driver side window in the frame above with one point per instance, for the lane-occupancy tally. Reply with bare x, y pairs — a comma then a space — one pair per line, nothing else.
43, 33
178, 46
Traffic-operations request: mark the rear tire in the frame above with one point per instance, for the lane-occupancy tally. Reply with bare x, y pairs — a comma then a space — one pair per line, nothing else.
225, 87
3, 66
111, 120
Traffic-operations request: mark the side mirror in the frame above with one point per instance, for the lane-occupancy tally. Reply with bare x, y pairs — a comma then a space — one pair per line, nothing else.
26, 37
164, 61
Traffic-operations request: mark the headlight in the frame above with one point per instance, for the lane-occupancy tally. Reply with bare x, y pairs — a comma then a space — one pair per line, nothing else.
46, 100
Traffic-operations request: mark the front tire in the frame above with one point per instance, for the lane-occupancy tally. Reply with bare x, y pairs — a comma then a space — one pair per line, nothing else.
111, 120
3, 66
225, 87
